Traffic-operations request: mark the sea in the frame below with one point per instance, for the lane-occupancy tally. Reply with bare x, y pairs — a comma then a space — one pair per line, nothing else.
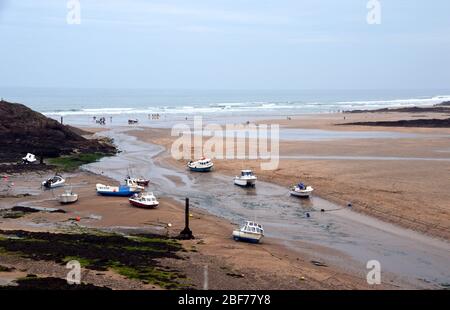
154, 106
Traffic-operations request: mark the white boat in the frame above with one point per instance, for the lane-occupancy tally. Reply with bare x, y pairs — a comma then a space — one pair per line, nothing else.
138, 181
56, 181
134, 184
202, 165
301, 190
68, 197
29, 159
144, 200
249, 232
247, 178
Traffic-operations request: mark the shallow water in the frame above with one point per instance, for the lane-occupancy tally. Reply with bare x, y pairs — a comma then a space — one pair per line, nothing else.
417, 259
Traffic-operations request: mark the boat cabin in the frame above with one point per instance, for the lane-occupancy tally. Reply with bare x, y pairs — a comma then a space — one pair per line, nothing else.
204, 161
301, 186
147, 198
246, 173
253, 228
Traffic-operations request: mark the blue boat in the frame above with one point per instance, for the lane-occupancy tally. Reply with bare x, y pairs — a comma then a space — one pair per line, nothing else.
202, 165
118, 191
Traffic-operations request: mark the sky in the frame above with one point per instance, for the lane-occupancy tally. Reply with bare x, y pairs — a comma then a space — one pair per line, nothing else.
225, 44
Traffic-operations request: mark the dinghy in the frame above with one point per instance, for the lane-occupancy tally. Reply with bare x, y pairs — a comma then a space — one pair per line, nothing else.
301, 190
56, 181
144, 200
202, 165
138, 181
68, 197
249, 232
247, 178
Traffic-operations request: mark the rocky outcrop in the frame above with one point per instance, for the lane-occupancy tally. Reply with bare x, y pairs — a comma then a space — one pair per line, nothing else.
23, 131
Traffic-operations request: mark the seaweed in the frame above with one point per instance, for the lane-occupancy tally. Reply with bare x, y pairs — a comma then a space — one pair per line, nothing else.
135, 257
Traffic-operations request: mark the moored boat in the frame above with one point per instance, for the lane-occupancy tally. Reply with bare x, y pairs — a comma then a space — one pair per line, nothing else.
68, 197
130, 188
144, 200
249, 232
29, 159
301, 190
202, 165
138, 181
53, 182
247, 178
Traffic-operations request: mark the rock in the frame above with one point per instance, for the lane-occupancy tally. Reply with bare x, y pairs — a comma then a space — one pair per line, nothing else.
23, 131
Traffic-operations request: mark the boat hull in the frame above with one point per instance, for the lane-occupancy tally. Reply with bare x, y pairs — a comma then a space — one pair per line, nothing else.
64, 200
122, 191
204, 169
300, 194
138, 204
246, 237
245, 183
116, 194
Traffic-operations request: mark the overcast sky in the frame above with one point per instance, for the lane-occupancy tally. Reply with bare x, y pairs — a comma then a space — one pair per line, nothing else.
226, 44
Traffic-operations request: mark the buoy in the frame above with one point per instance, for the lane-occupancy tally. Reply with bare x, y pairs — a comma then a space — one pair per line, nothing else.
190, 214
169, 225
77, 219
302, 278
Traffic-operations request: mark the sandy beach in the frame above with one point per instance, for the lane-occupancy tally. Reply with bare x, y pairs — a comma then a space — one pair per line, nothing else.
398, 180
371, 173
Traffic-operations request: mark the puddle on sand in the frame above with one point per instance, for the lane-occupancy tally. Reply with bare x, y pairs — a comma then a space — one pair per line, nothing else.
401, 252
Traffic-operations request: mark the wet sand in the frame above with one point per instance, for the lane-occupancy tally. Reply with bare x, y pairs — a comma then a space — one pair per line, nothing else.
398, 180
394, 188
231, 265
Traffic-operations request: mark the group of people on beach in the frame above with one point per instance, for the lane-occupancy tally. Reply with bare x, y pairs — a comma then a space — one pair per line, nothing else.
101, 120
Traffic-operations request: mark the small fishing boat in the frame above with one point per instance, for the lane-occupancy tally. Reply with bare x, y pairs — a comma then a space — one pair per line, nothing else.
119, 191
56, 181
29, 159
144, 200
68, 197
247, 178
138, 181
202, 165
249, 232
301, 190
130, 188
